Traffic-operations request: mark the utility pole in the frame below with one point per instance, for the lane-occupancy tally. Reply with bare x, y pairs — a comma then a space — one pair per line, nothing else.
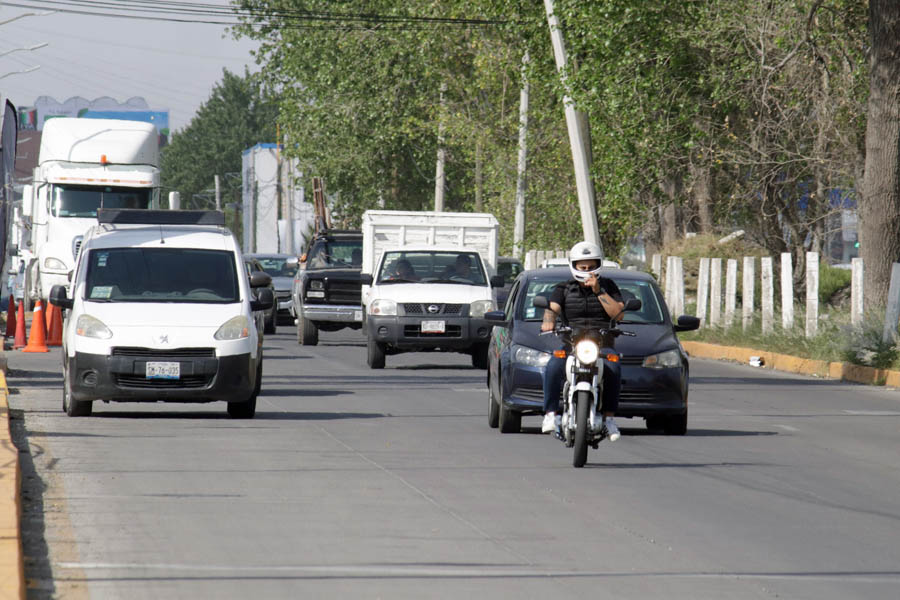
578, 129
519, 233
439, 178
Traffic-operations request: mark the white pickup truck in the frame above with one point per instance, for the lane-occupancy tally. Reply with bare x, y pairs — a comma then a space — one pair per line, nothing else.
422, 296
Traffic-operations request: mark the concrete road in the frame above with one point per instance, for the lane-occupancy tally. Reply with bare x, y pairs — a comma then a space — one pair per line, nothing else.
390, 484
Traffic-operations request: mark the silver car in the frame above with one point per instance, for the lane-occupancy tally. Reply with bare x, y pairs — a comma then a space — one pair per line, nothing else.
281, 267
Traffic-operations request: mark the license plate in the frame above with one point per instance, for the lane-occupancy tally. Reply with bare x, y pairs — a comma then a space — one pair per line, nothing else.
434, 326
357, 315
163, 370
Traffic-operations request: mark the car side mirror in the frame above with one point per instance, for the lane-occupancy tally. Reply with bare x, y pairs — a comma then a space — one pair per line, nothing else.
495, 315
365, 278
264, 300
633, 304
58, 297
541, 302
687, 323
498, 281
260, 279
292, 262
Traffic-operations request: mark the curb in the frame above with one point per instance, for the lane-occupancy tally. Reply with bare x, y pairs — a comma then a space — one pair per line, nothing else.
792, 364
12, 567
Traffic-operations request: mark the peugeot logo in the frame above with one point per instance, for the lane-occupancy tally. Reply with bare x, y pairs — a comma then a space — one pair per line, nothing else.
163, 339
434, 309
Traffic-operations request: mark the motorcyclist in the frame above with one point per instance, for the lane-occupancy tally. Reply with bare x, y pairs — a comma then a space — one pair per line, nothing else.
586, 295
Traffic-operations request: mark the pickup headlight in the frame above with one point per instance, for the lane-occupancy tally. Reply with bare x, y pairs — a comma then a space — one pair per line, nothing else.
92, 327
54, 264
664, 360
235, 328
587, 351
317, 284
530, 357
479, 307
383, 307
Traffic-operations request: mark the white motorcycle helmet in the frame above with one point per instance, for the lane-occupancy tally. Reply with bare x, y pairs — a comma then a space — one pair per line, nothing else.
585, 251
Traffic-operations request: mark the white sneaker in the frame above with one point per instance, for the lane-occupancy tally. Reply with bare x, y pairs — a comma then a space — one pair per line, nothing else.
612, 432
549, 422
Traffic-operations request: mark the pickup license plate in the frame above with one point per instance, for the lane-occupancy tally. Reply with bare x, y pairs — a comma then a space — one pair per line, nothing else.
434, 326
163, 370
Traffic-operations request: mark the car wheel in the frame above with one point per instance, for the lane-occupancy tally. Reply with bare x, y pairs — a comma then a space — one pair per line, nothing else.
675, 425
307, 332
375, 357
480, 356
74, 408
510, 421
493, 408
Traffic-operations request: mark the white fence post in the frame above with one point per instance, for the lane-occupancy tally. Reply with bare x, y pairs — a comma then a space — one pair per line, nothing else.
892, 313
703, 291
787, 292
768, 294
747, 291
812, 294
530, 262
669, 290
678, 285
856, 291
656, 266
715, 292
730, 292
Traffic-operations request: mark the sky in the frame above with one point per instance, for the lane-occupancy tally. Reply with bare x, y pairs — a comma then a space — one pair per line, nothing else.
173, 66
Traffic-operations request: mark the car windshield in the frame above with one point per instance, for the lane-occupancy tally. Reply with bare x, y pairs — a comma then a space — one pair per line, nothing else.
277, 266
427, 266
161, 275
651, 309
336, 253
509, 271
84, 200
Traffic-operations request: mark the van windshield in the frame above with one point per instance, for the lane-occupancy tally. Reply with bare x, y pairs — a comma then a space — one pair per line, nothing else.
84, 200
432, 267
161, 275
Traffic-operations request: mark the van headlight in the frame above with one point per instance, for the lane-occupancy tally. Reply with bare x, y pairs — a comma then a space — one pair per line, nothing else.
92, 327
530, 357
54, 264
664, 360
235, 328
587, 352
479, 307
383, 307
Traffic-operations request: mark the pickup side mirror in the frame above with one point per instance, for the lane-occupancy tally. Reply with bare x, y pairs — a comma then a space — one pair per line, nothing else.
58, 297
293, 262
498, 281
365, 278
264, 300
260, 279
541, 302
687, 323
495, 315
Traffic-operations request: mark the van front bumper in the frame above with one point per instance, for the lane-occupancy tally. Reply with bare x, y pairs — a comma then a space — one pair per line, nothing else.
123, 378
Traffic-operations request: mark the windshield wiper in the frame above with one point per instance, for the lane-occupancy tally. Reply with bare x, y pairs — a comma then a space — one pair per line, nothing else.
398, 280
452, 281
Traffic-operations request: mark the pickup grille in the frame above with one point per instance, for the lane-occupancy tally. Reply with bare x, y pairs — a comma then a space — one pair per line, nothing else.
443, 309
414, 331
166, 353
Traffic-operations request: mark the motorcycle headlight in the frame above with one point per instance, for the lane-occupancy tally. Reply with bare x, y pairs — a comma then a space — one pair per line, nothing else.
54, 264
479, 307
664, 360
530, 357
92, 327
235, 328
383, 307
587, 351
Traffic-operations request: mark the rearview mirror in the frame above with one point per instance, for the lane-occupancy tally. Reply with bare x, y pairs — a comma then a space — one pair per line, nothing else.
687, 323
497, 281
541, 302
633, 304
260, 279
59, 298
264, 301
495, 315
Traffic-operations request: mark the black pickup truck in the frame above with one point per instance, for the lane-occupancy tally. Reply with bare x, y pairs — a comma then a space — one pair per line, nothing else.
327, 292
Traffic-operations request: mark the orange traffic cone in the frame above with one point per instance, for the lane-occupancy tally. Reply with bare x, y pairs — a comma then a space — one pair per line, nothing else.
20, 327
37, 339
11, 317
54, 326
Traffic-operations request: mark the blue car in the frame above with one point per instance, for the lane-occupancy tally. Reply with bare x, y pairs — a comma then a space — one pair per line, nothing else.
654, 366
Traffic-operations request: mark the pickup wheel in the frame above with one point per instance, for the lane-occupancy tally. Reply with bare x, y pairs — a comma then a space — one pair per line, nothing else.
375, 357
307, 332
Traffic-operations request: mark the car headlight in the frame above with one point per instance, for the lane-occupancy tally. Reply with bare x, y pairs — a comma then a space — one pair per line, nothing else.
664, 360
383, 307
530, 357
235, 328
587, 351
479, 307
54, 264
92, 327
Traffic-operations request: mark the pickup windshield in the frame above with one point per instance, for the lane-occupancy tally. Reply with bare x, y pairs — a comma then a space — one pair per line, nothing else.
335, 254
161, 275
84, 200
432, 267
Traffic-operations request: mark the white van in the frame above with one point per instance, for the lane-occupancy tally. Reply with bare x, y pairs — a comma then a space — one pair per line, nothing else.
161, 310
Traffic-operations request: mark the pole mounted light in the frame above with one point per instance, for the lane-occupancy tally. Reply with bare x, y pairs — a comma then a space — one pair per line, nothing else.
28, 70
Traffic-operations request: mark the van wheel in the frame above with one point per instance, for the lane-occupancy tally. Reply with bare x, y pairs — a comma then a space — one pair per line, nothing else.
307, 332
375, 358
74, 408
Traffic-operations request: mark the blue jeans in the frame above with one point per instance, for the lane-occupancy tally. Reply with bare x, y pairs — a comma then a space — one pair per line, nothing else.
555, 376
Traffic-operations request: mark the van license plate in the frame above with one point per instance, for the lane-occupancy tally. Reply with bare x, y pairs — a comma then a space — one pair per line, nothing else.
163, 370
434, 326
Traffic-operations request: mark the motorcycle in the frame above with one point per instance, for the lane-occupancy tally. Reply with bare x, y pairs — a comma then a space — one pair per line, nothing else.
581, 422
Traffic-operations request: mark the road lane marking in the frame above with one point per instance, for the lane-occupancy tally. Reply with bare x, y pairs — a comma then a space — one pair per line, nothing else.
787, 427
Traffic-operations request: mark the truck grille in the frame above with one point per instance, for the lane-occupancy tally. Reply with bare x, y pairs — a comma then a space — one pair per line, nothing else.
137, 352
443, 309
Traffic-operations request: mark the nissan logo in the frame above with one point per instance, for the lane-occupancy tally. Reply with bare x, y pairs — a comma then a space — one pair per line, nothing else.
434, 309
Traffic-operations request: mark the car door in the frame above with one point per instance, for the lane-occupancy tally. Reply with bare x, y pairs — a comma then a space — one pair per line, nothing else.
501, 339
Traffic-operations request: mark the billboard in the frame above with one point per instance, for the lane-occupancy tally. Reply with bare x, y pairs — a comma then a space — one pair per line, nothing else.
133, 109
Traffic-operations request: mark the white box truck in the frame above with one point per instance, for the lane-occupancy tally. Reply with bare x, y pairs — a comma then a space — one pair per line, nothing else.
83, 165
428, 280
